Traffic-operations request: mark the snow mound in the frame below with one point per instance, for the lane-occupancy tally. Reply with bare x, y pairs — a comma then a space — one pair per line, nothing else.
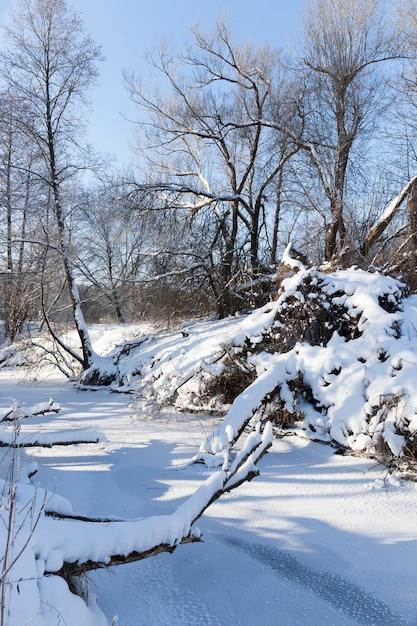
335, 356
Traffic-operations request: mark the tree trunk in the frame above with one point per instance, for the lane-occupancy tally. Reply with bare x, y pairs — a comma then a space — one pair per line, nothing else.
225, 303
86, 346
386, 218
412, 212
335, 229
277, 217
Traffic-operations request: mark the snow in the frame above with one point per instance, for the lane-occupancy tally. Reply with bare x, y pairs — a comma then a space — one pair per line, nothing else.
317, 538
391, 208
53, 542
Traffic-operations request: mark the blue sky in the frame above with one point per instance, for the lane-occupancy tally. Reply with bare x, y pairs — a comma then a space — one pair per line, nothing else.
126, 29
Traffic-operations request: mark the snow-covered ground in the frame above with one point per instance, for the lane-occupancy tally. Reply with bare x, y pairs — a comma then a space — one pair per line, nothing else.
317, 539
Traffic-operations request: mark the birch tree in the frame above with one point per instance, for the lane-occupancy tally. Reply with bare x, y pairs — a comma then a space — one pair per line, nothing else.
50, 63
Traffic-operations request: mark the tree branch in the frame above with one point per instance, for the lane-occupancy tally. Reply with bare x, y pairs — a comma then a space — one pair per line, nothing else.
119, 542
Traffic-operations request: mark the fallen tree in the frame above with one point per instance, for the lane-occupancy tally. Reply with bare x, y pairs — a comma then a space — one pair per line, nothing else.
46, 548
341, 369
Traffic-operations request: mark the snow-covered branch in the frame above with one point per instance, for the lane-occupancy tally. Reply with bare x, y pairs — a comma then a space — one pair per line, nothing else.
205, 197
386, 217
11, 414
70, 546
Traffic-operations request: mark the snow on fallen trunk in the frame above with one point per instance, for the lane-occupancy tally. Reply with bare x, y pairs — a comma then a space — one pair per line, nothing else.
45, 545
16, 412
26, 439
270, 382
177, 368
89, 545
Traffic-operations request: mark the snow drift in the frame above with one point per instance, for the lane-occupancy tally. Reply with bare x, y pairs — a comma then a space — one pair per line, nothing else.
333, 357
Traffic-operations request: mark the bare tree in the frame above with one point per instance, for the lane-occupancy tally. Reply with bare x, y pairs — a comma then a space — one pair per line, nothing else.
19, 263
50, 63
345, 50
207, 147
112, 236
391, 236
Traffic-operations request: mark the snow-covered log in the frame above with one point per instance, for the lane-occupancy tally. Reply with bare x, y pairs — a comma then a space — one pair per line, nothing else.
92, 544
26, 439
13, 413
52, 546
14, 435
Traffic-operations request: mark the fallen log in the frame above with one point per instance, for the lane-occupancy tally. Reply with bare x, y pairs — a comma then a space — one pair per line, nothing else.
102, 543
24, 439
12, 414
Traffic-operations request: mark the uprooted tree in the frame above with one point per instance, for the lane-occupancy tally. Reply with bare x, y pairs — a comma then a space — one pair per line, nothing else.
333, 358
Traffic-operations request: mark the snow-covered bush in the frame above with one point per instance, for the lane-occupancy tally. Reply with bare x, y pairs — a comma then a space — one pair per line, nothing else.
353, 327
335, 356
348, 361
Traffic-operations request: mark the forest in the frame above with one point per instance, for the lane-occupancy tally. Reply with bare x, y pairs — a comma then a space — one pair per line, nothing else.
243, 148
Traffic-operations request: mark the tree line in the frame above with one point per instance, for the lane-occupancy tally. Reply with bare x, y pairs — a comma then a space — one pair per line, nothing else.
242, 148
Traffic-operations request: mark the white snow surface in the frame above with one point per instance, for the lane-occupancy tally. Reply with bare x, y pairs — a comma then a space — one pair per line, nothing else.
317, 539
